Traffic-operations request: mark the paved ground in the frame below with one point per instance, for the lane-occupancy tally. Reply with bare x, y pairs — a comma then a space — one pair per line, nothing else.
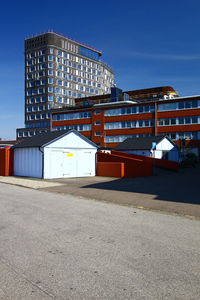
28, 182
60, 247
167, 191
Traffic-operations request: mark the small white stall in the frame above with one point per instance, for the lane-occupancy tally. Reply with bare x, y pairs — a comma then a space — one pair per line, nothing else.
153, 146
55, 154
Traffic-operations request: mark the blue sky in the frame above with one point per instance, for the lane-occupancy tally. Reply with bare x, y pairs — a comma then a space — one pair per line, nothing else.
147, 43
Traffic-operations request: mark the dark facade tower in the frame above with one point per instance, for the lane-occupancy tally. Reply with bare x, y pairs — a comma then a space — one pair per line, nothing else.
58, 70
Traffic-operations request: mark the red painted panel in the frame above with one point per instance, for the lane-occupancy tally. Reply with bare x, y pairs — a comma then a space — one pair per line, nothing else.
110, 169
179, 128
179, 113
6, 162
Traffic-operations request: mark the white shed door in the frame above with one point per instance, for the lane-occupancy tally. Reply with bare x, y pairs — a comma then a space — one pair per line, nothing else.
56, 165
84, 163
77, 163
69, 164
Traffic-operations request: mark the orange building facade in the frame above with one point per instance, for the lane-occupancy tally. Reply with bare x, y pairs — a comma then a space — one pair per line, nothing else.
107, 121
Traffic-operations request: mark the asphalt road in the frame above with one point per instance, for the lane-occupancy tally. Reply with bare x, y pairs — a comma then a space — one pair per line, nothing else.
61, 247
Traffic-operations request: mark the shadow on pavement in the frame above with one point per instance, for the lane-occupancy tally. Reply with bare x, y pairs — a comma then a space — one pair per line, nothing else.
182, 186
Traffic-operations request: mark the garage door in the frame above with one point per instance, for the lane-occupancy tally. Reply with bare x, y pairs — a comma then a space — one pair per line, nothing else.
71, 163
84, 163
77, 163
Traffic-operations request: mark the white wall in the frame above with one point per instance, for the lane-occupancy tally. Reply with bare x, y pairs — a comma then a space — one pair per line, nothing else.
28, 162
172, 154
71, 140
166, 145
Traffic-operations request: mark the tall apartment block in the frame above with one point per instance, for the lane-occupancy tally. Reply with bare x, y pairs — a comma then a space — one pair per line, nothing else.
58, 70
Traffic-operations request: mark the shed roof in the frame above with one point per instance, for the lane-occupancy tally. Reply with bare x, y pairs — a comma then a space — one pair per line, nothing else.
43, 139
142, 143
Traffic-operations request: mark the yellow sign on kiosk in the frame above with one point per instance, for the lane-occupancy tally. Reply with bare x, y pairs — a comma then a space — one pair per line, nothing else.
70, 154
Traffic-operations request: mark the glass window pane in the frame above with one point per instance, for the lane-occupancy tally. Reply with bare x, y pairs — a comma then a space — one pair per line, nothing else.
140, 123
194, 120
166, 122
173, 121
187, 120
181, 105
194, 103
141, 109
181, 120
188, 104
133, 110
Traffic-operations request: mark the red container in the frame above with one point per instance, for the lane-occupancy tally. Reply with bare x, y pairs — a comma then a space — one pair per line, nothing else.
6, 161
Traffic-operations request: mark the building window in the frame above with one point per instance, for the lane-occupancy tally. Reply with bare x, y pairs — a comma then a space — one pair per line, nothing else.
80, 127
121, 138
50, 80
31, 100
89, 53
60, 53
129, 110
72, 116
58, 91
97, 112
97, 122
179, 105
50, 98
179, 121
98, 133
129, 124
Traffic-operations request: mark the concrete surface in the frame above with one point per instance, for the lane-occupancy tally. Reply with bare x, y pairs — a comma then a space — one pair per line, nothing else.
167, 191
28, 182
61, 247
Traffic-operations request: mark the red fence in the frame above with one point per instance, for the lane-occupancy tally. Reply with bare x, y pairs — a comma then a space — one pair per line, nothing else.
162, 163
133, 167
110, 169
6, 162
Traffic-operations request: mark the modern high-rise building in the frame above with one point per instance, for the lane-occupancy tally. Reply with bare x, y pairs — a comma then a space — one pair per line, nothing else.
58, 70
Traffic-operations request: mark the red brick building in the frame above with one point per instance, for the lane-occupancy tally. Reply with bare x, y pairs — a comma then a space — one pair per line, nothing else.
108, 121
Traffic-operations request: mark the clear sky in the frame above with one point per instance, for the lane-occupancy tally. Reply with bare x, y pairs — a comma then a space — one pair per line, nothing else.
148, 43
